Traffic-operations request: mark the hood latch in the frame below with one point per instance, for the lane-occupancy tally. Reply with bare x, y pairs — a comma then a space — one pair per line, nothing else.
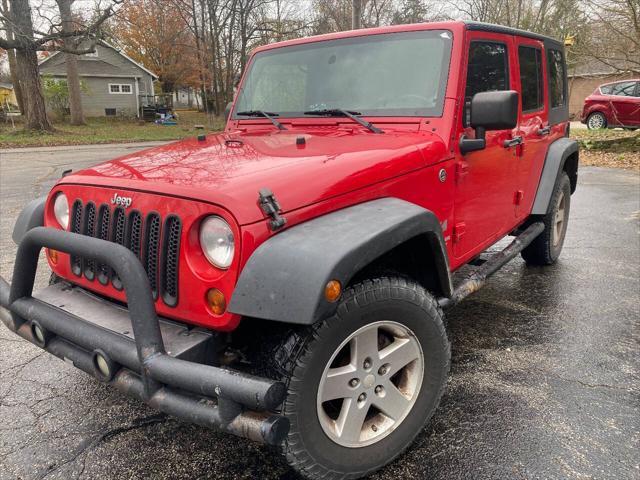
270, 207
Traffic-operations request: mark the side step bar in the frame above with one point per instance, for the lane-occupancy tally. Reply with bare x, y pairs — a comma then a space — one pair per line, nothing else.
478, 278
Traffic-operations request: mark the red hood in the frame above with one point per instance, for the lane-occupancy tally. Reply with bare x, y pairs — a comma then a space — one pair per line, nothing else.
332, 162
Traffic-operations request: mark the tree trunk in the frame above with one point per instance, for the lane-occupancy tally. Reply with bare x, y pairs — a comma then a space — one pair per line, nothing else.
71, 60
11, 55
27, 62
356, 14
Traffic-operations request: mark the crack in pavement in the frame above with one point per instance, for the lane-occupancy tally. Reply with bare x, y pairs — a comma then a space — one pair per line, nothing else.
88, 445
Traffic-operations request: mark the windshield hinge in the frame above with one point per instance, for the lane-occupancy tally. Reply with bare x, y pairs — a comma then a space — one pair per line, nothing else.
270, 207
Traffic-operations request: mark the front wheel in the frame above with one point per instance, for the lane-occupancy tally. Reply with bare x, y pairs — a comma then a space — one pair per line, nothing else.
363, 383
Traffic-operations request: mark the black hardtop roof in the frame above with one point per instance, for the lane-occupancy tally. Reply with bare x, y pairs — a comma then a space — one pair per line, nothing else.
489, 27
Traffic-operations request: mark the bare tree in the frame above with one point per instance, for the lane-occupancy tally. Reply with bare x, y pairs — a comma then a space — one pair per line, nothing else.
11, 56
356, 14
27, 41
71, 61
612, 36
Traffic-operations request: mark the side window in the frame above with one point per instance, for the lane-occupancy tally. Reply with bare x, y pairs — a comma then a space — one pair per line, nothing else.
488, 68
557, 87
623, 89
606, 89
530, 60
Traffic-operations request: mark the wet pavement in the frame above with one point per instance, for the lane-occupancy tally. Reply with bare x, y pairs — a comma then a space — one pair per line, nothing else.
545, 378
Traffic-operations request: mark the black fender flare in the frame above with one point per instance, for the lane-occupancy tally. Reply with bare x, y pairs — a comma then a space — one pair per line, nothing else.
285, 277
554, 162
31, 216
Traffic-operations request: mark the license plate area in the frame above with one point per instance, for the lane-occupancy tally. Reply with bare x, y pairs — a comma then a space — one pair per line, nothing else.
193, 344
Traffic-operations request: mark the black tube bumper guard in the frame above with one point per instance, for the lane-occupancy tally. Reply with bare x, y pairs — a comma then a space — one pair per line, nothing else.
232, 401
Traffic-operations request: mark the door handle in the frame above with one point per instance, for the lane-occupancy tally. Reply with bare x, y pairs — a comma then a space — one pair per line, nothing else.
513, 142
544, 131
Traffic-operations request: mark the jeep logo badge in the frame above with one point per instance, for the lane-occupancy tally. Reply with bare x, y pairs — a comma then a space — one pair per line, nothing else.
121, 201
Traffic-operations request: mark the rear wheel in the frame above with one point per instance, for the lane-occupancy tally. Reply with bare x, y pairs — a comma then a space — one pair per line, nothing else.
363, 383
596, 121
546, 247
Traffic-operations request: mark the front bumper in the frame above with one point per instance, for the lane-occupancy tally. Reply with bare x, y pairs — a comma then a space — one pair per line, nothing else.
191, 390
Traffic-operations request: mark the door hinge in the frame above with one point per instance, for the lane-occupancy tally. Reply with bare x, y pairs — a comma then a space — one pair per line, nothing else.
459, 231
270, 207
518, 196
462, 168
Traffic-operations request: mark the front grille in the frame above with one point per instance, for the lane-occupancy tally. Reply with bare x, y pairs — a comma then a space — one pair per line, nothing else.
155, 244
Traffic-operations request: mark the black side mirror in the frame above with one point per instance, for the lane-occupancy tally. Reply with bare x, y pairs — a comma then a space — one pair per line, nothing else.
490, 111
227, 110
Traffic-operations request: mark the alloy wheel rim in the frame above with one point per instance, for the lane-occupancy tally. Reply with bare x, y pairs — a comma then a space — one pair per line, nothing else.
558, 220
370, 384
596, 121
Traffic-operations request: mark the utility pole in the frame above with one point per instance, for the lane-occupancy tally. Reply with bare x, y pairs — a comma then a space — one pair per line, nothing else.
356, 14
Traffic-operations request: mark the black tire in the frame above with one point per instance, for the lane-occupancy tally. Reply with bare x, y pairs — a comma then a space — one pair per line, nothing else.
596, 121
303, 356
546, 247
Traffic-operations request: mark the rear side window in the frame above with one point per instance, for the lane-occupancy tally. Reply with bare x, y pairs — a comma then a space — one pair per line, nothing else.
530, 60
606, 89
623, 89
557, 87
488, 68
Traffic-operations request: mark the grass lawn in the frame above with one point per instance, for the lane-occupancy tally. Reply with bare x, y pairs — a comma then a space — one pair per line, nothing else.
108, 130
615, 148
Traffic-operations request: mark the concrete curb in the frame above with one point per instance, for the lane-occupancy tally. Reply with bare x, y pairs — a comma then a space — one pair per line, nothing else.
96, 146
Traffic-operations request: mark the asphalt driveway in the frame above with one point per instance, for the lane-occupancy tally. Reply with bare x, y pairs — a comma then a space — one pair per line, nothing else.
545, 379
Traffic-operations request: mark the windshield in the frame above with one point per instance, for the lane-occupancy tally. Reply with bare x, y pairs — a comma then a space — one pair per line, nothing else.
398, 74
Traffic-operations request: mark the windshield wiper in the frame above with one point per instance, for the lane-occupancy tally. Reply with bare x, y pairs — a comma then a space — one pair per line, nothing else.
260, 113
338, 112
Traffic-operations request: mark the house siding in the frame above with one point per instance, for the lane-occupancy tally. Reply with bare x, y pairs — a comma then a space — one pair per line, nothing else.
97, 97
96, 73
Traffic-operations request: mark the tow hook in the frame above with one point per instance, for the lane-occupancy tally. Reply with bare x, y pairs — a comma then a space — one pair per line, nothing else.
270, 207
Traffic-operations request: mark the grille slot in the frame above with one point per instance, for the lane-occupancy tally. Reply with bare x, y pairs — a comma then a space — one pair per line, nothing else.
152, 249
117, 236
104, 217
170, 260
134, 233
76, 227
157, 245
89, 264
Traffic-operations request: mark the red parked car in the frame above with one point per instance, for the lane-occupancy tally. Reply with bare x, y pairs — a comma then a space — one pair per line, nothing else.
286, 280
613, 105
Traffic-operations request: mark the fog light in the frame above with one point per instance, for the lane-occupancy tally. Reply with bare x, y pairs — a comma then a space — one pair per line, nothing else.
103, 366
216, 301
332, 291
39, 334
53, 256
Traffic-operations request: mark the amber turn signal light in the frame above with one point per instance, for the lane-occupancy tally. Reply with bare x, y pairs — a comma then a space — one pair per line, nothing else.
332, 291
53, 256
216, 301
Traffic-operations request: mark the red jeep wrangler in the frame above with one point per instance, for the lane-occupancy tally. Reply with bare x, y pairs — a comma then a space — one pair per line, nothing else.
285, 280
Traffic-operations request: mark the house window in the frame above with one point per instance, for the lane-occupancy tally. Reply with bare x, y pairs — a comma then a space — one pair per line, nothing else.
110, 112
120, 88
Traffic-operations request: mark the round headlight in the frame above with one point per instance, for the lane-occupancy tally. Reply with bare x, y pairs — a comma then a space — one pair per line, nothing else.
216, 240
61, 210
